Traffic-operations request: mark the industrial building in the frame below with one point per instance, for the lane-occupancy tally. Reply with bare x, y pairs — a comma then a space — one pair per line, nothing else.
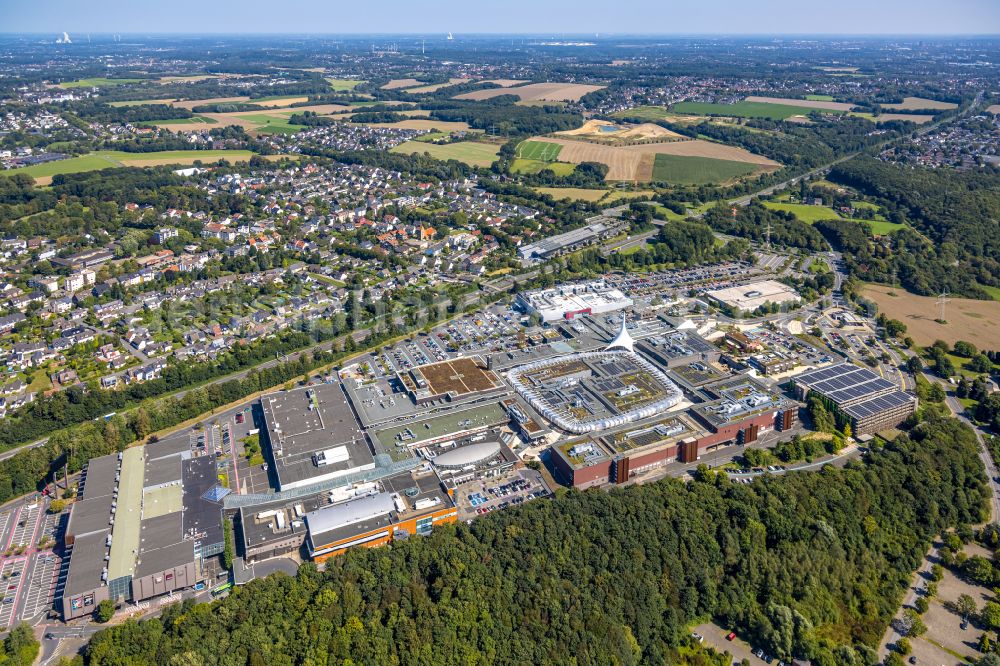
397, 507
571, 300
145, 522
312, 436
868, 401
749, 297
598, 228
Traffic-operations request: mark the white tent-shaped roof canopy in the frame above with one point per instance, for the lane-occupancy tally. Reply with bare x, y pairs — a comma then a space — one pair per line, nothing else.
623, 340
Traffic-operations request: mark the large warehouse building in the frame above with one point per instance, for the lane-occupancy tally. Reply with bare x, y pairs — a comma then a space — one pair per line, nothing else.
146, 522
871, 403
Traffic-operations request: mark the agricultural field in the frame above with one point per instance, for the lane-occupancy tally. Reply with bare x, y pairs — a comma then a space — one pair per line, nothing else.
577, 193
645, 112
194, 78
680, 170
635, 162
104, 159
98, 82
191, 103
745, 109
914, 103
882, 227
140, 102
469, 152
184, 121
506, 83
822, 105
395, 84
552, 92
271, 124
804, 212
279, 100
341, 85
819, 98
994, 109
521, 165
967, 319
434, 87
538, 150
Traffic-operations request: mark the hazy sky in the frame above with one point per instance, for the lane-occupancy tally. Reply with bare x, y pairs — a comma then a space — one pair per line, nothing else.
504, 16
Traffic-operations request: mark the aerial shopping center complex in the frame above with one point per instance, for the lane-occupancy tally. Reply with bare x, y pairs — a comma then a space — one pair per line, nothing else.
602, 391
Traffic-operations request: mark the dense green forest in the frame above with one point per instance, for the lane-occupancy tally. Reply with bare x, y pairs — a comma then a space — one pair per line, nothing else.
809, 564
956, 242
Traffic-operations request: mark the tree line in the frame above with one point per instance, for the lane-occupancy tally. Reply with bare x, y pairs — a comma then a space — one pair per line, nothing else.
806, 565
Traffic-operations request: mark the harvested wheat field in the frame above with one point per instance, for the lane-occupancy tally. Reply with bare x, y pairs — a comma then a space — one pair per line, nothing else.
912, 103
967, 319
552, 92
994, 109
806, 103
395, 84
506, 83
635, 162
278, 103
191, 103
918, 118
436, 86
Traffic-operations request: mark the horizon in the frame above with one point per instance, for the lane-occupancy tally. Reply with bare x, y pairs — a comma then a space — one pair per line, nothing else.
853, 18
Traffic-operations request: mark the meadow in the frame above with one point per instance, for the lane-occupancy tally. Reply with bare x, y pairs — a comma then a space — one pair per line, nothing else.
97, 82
105, 159
271, 124
576, 193
469, 152
522, 165
682, 170
804, 212
340, 85
745, 110
644, 113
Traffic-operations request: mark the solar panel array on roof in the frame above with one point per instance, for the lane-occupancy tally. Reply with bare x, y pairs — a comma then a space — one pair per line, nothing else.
878, 404
845, 384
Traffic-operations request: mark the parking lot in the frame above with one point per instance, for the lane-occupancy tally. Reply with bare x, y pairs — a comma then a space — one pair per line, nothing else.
477, 498
42, 581
11, 577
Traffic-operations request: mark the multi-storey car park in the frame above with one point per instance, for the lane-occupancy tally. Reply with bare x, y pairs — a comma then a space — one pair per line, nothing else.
869, 402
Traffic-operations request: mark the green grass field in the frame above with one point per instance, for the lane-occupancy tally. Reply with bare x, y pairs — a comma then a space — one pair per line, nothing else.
819, 98
745, 110
432, 136
522, 165
97, 82
184, 121
268, 124
644, 112
105, 159
469, 152
882, 227
538, 150
994, 292
340, 85
804, 212
683, 170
